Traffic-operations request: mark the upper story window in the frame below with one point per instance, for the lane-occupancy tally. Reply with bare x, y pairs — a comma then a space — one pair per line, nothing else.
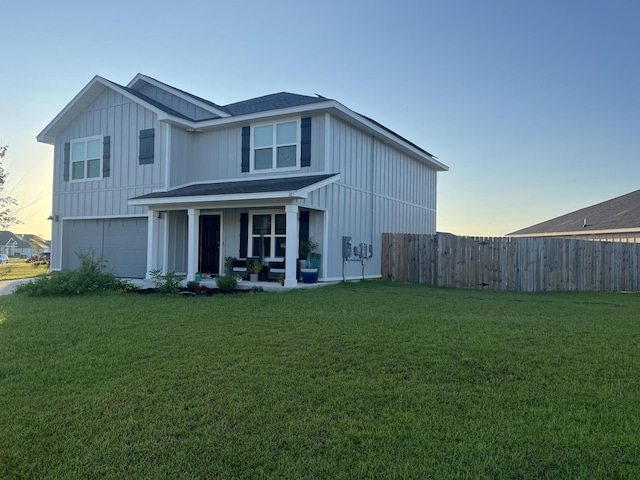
276, 146
86, 158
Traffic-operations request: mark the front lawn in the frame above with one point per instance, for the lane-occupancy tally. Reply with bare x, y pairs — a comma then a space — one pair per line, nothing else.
358, 380
18, 268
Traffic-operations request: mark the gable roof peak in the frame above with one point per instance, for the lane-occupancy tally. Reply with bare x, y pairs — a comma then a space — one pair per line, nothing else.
202, 102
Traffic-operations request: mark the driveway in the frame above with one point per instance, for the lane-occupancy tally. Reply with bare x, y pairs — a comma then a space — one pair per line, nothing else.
7, 286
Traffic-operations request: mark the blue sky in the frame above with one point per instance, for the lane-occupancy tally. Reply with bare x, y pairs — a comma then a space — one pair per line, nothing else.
534, 105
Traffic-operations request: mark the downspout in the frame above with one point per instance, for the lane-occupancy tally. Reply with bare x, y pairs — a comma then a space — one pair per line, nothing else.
373, 172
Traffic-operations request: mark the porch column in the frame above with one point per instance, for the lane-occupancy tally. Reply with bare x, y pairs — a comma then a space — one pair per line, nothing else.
153, 224
192, 243
291, 251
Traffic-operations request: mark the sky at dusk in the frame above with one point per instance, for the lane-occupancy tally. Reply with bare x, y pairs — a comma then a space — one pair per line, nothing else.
533, 105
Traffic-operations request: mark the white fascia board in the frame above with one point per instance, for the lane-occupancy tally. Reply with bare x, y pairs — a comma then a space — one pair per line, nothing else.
158, 202
315, 186
580, 233
381, 133
45, 136
252, 117
177, 93
88, 94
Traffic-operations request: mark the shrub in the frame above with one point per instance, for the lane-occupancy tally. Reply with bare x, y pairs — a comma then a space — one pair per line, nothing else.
192, 285
89, 277
169, 283
226, 282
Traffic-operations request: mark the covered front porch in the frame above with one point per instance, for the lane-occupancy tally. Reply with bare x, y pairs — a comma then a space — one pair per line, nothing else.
192, 230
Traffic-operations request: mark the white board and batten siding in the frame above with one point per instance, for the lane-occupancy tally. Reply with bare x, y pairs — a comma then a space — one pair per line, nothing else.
107, 198
381, 189
216, 155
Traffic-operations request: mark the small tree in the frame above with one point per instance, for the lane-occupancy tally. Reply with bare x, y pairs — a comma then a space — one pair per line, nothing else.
7, 203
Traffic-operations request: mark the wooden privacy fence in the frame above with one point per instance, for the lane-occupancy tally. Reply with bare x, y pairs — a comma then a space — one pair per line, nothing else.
522, 264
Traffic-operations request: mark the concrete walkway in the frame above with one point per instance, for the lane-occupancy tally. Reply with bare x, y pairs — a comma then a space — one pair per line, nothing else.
8, 286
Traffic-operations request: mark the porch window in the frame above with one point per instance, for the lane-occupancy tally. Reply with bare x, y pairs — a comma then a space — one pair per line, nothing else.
86, 158
275, 146
268, 235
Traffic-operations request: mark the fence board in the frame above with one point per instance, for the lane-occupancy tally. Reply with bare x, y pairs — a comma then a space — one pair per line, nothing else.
524, 264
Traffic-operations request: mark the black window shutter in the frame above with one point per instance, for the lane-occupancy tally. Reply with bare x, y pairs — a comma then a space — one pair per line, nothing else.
305, 142
244, 234
246, 148
67, 156
304, 228
146, 146
106, 156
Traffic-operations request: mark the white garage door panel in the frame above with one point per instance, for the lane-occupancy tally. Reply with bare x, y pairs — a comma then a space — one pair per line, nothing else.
121, 243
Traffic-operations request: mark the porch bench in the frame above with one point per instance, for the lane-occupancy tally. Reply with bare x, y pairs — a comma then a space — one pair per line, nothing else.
241, 268
275, 270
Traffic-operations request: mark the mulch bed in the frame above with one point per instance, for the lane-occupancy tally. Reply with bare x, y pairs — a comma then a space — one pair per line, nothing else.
202, 291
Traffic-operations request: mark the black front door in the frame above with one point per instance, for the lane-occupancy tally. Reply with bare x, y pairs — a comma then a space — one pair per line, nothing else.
209, 257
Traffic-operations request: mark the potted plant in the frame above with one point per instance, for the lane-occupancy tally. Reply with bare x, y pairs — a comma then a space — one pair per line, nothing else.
310, 271
254, 270
228, 265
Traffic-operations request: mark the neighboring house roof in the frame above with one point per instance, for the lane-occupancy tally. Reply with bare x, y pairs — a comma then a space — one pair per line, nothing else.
240, 190
620, 214
19, 240
6, 237
244, 112
28, 239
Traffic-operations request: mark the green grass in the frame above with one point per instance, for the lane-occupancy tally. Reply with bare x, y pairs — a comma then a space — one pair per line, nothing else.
18, 268
360, 380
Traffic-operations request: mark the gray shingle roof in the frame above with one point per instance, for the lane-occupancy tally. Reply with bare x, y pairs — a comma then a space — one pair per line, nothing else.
275, 101
265, 103
618, 213
287, 184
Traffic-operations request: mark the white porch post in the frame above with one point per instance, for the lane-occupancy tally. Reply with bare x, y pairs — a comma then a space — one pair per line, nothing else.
192, 243
291, 251
153, 225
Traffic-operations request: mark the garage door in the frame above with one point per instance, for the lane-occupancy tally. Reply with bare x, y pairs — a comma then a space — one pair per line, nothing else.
122, 244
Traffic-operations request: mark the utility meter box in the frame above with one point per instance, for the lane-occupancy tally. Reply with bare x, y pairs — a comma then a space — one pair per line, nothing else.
346, 247
364, 250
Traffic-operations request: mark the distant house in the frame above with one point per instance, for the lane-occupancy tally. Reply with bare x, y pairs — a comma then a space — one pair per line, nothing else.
616, 220
8, 243
22, 245
32, 245
149, 177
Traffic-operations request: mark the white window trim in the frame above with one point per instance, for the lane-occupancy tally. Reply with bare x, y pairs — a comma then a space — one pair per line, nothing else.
273, 235
274, 157
71, 162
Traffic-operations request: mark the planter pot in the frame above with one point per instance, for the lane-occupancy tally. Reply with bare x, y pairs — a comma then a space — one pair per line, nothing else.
198, 277
301, 264
253, 277
309, 275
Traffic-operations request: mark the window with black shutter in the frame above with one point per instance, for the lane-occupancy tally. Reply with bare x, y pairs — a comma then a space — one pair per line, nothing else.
106, 156
305, 142
147, 138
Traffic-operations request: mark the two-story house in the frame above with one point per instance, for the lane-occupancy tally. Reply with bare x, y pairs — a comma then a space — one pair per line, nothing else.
149, 176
